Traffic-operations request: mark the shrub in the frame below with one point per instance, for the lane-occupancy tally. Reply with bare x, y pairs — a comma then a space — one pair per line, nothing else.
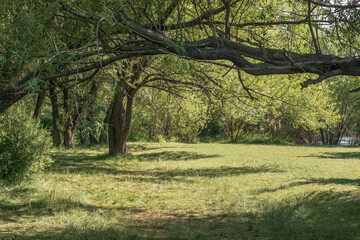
24, 146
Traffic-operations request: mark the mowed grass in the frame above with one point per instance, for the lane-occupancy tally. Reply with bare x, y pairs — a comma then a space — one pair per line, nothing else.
190, 191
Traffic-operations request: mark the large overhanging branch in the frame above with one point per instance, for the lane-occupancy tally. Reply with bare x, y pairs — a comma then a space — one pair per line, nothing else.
253, 60
239, 25
272, 61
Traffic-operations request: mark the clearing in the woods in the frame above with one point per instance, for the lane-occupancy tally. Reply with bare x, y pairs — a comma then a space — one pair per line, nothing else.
190, 191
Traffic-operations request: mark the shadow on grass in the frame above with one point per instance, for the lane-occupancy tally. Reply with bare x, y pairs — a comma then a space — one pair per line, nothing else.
321, 181
97, 164
322, 215
343, 181
85, 160
48, 206
77, 163
78, 157
173, 156
316, 215
211, 172
74, 233
183, 175
154, 175
42, 207
131, 147
337, 155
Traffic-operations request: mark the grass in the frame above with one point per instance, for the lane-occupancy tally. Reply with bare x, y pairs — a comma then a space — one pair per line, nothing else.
190, 191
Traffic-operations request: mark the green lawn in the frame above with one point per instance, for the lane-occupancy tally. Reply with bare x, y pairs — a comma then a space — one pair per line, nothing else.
190, 191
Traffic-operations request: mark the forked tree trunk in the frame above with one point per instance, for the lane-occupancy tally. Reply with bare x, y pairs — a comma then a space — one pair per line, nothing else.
120, 117
120, 120
56, 135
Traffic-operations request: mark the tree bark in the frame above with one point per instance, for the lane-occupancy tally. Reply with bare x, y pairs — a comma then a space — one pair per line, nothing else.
39, 104
56, 135
91, 114
68, 123
9, 98
103, 135
120, 118
117, 122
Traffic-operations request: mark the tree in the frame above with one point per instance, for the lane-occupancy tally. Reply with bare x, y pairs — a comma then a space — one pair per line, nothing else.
131, 77
78, 39
122, 104
56, 132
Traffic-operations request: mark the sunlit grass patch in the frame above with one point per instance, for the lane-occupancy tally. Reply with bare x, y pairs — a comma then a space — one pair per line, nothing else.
196, 191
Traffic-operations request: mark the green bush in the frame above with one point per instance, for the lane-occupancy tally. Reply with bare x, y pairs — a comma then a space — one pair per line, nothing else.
24, 146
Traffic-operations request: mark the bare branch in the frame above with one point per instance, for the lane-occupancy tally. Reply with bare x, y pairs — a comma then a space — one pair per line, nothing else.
350, 6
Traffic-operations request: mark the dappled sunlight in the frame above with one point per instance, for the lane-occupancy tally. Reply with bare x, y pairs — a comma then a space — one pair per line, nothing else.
179, 191
316, 215
310, 216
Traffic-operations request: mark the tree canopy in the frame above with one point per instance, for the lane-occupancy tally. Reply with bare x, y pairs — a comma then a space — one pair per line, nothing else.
70, 41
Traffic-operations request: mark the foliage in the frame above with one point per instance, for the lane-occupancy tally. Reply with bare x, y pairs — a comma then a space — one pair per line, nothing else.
68, 40
24, 146
31, 37
91, 123
44, 37
159, 115
274, 107
347, 104
237, 118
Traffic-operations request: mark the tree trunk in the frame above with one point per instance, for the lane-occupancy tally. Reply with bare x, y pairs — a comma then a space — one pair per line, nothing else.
103, 135
77, 119
230, 129
39, 105
117, 122
120, 120
93, 138
56, 135
9, 98
239, 127
91, 115
68, 123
